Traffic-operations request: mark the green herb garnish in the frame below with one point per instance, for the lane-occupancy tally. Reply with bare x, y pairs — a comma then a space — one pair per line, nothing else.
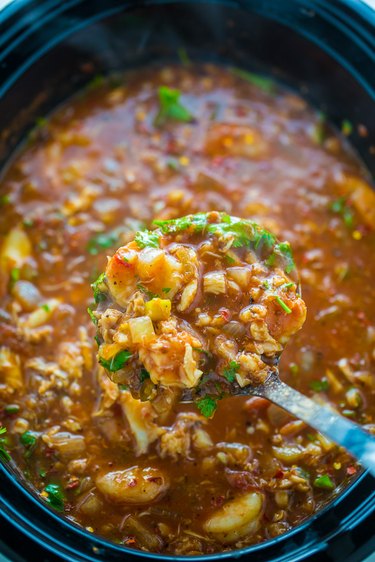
29, 440
230, 371
146, 291
99, 289
283, 305
324, 482
340, 207
45, 307
166, 290
116, 362
286, 251
319, 130
346, 127
94, 319
147, 239
5, 199
265, 84
144, 375
171, 107
101, 241
183, 56
11, 409
319, 385
55, 496
4, 455
14, 274
206, 406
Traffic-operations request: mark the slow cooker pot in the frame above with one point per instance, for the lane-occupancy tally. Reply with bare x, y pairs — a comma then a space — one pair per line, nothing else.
324, 50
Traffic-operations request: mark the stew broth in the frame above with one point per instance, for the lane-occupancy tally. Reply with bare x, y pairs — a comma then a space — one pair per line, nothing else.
97, 171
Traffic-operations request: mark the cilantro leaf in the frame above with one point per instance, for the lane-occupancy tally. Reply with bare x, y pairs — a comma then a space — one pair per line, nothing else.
99, 288
55, 496
324, 482
319, 385
206, 406
146, 291
283, 305
4, 455
29, 440
147, 239
340, 207
265, 84
230, 371
94, 319
101, 241
116, 362
144, 375
171, 107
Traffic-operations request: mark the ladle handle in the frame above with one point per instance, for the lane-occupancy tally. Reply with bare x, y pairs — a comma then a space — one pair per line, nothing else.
344, 432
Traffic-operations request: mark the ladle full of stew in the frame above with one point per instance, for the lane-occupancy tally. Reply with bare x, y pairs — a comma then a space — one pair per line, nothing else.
201, 308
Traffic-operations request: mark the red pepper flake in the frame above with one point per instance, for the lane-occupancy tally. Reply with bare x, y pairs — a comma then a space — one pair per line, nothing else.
225, 313
351, 470
130, 540
73, 484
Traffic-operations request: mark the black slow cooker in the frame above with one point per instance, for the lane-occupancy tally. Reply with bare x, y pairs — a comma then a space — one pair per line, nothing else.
323, 49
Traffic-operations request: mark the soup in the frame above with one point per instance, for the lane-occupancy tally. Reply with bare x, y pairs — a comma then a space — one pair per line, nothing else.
106, 165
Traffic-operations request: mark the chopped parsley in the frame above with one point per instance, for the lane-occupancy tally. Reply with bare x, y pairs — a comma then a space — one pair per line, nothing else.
45, 307
183, 56
319, 385
147, 239
265, 238
319, 130
146, 291
97, 287
286, 251
116, 362
346, 127
144, 375
171, 107
265, 84
230, 371
14, 274
5, 199
340, 207
11, 409
166, 290
94, 319
173, 164
283, 305
4, 455
29, 440
324, 482
55, 496
206, 406
101, 241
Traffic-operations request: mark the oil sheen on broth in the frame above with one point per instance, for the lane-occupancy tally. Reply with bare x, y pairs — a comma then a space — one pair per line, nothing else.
107, 164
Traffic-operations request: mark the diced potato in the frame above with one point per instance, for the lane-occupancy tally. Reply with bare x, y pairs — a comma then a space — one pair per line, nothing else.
10, 369
289, 455
42, 314
133, 485
16, 249
241, 275
151, 262
27, 295
109, 350
214, 282
141, 329
361, 196
158, 309
236, 519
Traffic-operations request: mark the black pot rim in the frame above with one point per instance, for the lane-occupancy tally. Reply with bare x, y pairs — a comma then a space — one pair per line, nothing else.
357, 21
